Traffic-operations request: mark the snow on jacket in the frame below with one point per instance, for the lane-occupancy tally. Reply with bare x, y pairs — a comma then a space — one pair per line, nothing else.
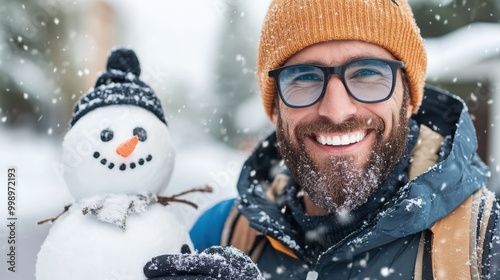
384, 244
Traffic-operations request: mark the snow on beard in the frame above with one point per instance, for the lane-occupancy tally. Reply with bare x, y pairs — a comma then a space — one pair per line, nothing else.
336, 185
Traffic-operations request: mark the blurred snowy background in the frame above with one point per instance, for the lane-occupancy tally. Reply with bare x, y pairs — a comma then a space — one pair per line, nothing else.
199, 56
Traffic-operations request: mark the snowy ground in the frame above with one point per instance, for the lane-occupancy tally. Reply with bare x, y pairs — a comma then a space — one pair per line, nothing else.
41, 194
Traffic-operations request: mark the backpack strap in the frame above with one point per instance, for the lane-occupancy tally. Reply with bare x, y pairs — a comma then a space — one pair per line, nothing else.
459, 238
238, 233
488, 205
451, 243
423, 263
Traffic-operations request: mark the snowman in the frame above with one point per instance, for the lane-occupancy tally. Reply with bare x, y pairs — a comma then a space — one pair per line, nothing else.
117, 158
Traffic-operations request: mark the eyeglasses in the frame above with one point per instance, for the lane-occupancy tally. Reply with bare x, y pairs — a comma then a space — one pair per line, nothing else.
366, 80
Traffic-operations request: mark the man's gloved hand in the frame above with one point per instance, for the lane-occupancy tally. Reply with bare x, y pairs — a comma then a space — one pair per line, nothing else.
212, 263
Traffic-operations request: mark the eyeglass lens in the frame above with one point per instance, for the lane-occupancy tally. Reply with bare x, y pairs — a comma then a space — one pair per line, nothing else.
366, 80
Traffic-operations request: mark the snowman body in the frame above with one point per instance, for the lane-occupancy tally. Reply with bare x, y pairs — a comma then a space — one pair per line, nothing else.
112, 156
80, 247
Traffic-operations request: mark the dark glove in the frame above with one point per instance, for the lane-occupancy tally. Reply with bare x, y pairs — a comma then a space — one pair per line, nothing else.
212, 263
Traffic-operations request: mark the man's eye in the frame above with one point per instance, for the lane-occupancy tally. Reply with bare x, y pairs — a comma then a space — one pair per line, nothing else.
365, 73
308, 77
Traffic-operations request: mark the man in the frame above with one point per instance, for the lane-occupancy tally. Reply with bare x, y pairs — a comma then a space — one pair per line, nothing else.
367, 176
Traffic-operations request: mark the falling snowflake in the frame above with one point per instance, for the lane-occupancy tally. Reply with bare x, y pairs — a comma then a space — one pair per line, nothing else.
386, 271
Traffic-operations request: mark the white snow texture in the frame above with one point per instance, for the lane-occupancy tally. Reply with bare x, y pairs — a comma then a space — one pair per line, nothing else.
81, 247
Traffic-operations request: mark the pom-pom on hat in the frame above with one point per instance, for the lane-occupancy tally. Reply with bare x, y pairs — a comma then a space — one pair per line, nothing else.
120, 84
292, 25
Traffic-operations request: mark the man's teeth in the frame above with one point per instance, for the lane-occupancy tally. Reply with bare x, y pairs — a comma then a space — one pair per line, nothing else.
339, 140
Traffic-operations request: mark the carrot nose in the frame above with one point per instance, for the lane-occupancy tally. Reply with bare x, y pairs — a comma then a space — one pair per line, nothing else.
127, 147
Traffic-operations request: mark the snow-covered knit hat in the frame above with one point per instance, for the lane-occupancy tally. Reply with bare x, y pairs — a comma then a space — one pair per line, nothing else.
120, 84
292, 25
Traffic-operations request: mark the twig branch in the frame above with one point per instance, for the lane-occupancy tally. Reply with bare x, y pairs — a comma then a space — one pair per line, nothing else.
66, 208
165, 200
206, 188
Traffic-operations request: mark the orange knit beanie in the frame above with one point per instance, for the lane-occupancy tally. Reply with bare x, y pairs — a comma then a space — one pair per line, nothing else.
292, 25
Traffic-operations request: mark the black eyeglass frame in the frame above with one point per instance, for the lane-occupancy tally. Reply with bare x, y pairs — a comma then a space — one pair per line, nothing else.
340, 71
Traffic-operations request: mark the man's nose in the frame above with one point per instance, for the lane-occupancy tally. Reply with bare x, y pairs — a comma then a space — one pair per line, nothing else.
337, 104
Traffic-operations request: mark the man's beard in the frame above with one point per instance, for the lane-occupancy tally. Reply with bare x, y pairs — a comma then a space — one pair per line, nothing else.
337, 184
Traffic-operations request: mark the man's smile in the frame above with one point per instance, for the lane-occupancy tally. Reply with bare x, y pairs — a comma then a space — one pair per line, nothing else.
340, 139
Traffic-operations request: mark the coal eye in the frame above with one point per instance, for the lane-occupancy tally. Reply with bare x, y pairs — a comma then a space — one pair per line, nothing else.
141, 133
106, 135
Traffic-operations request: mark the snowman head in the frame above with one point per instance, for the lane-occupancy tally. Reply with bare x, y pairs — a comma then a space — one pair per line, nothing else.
118, 140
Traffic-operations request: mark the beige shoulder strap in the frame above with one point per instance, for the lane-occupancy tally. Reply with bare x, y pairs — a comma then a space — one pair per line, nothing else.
451, 243
456, 250
237, 231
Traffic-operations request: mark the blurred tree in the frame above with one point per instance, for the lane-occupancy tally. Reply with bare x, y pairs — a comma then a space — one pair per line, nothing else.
438, 17
51, 53
235, 64
35, 66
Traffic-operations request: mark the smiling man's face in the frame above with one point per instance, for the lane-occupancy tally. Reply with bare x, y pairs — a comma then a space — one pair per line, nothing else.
338, 149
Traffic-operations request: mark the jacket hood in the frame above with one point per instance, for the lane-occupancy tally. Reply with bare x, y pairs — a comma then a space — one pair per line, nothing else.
427, 198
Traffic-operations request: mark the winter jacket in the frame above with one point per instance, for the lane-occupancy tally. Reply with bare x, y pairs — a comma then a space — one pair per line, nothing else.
402, 232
